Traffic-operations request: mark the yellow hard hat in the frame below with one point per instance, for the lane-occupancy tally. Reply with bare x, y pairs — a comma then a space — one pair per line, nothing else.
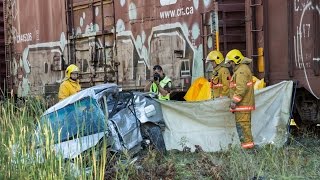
234, 55
215, 56
70, 69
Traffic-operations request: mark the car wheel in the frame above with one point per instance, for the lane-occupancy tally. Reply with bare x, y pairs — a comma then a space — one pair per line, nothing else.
154, 134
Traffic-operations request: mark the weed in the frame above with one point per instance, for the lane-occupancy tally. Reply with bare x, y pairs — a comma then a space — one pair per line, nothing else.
20, 157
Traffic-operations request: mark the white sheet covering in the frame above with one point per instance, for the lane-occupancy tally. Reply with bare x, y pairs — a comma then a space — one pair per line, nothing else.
211, 125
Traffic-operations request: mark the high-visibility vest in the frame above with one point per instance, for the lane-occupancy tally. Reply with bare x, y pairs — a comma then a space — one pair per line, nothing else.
163, 83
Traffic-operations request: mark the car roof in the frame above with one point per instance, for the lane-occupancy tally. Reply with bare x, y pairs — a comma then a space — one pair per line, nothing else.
89, 92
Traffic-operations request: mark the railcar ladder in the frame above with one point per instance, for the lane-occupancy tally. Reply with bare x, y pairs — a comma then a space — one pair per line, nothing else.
7, 6
209, 29
110, 67
257, 52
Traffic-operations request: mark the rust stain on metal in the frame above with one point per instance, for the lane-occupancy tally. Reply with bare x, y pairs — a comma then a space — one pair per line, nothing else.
120, 41
293, 28
111, 41
38, 40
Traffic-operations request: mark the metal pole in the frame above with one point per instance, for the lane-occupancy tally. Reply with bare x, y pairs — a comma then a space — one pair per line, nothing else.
216, 22
203, 42
115, 53
266, 40
103, 36
73, 59
290, 40
254, 37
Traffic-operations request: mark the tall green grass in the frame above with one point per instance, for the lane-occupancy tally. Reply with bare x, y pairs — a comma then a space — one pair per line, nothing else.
20, 159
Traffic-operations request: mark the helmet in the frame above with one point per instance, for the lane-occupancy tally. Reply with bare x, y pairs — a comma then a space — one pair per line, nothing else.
215, 56
70, 69
234, 55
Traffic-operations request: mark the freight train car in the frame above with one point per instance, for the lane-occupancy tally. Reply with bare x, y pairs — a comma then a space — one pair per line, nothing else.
119, 41
111, 41
282, 36
35, 45
292, 50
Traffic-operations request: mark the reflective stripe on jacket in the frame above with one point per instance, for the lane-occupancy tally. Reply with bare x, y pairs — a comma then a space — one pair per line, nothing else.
220, 83
67, 88
162, 83
241, 89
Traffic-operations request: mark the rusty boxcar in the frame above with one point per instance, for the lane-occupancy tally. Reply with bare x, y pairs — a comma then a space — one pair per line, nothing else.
282, 36
119, 41
111, 41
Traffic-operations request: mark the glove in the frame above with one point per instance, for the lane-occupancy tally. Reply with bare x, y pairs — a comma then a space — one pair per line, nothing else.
233, 105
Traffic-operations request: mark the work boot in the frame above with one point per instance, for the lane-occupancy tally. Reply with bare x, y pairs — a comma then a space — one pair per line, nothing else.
252, 150
247, 145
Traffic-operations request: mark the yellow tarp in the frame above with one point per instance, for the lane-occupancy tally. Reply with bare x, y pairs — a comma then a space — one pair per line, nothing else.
199, 90
258, 83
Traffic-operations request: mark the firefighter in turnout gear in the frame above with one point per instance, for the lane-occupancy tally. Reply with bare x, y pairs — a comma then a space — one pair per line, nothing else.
220, 75
70, 84
242, 96
160, 84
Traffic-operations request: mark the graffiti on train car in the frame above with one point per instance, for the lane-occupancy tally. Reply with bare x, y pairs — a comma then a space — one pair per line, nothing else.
166, 32
304, 5
167, 2
304, 32
304, 38
38, 45
175, 43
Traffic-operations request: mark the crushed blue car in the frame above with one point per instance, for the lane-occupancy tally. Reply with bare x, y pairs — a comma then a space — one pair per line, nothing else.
128, 120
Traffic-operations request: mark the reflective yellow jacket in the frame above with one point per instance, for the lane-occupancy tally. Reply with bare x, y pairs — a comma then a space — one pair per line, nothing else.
67, 88
241, 89
154, 88
220, 82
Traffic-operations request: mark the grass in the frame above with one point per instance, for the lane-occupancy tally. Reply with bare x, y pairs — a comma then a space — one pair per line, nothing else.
19, 160
19, 154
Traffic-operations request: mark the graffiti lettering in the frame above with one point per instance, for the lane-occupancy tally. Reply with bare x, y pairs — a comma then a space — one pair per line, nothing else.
300, 59
306, 30
24, 37
177, 12
299, 5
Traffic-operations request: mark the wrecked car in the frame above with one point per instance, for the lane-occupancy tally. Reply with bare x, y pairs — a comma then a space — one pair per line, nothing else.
128, 120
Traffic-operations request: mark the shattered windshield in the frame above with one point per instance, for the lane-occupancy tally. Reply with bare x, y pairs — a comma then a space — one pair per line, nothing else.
81, 118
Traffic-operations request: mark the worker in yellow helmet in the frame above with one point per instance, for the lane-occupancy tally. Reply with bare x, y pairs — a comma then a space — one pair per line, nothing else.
70, 84
242, 96
220, 75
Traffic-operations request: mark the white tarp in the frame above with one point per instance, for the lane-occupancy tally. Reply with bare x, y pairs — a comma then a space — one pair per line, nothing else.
211, 125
